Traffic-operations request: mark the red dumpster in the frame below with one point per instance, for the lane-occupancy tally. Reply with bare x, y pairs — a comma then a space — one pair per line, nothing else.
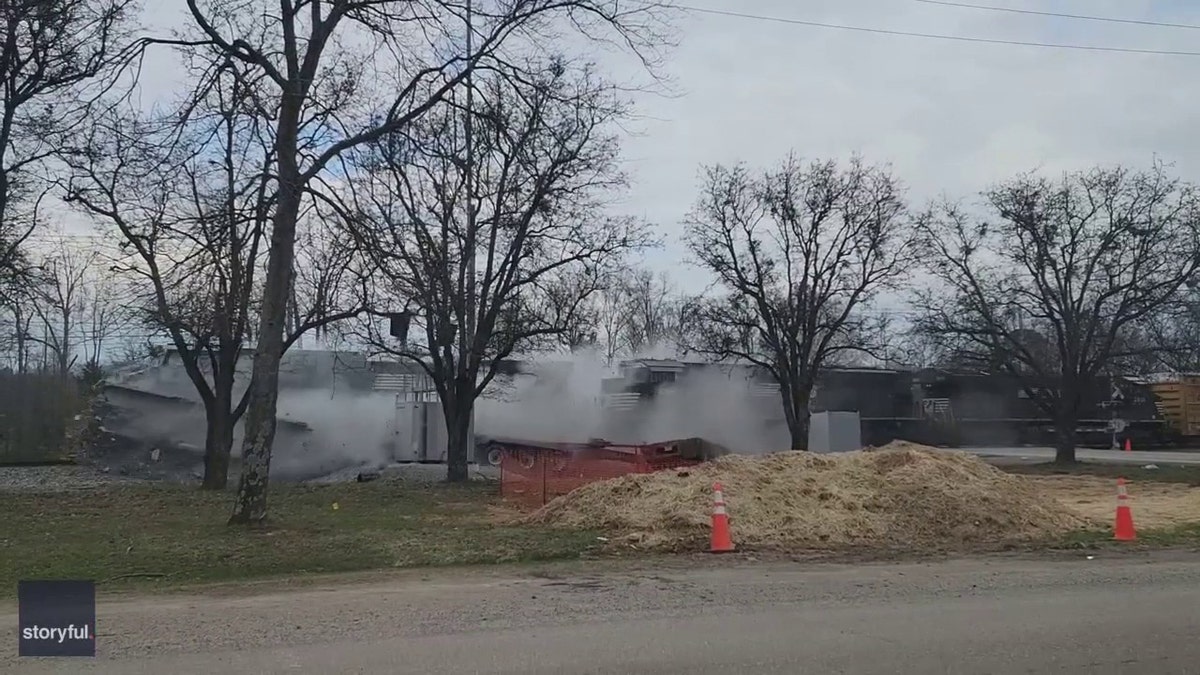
534, 472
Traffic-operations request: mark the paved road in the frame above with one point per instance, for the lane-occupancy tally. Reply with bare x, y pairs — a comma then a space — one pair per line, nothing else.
1131, 613
1137, 457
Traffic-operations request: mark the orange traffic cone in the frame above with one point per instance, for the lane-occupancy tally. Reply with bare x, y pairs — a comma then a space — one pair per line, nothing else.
1123, 527
721, 541
1128, 444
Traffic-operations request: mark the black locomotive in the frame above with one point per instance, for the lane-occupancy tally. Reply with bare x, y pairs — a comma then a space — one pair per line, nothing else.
937, 407
959, 408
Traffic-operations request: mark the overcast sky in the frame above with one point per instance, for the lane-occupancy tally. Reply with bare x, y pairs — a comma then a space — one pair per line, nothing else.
949, 116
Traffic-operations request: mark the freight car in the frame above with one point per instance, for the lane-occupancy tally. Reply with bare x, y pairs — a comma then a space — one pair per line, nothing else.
962, 408
930, 406
1178, 401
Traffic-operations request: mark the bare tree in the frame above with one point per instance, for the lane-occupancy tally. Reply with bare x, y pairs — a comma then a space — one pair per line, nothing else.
1051, 283
16, 300
606, 317
105, 312
512, 276
50, 52
335, 76
653, 307
1167, 340
798, 253
914, 348
188, 201
60, 299
191, 195
637, 312
8, 341
68, 304
582, 333
137, 351
331, 275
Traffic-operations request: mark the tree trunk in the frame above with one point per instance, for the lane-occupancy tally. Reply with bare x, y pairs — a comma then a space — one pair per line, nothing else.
251, 505
797, 416
218, 445
798, 428
22, 336
64, 347
1064, 441
460, 443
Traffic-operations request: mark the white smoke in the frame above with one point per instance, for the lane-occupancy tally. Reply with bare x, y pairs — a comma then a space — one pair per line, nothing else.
560, 398
715, 404
345, 427
558, 401
348, 428
562, 401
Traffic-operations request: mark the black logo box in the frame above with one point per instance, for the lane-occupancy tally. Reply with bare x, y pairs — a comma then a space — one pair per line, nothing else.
57, 618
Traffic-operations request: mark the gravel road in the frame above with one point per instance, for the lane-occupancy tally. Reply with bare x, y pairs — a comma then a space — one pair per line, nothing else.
57, 478
1111, 614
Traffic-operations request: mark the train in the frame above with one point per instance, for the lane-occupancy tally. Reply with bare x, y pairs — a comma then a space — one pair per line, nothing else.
942, 407
931, 406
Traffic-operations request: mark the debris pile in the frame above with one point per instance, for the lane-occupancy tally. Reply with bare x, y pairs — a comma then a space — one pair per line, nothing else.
900, 496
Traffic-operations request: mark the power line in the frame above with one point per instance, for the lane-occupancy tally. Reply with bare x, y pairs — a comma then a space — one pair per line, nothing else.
935, 36
1061, 15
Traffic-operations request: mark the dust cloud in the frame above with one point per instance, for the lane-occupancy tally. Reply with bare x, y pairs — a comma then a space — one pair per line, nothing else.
320, 430
557, 399
345, 429
562, 401
326, 429
716, 405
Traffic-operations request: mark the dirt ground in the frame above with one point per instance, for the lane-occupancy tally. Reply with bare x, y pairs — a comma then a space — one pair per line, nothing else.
1017, 613
1153, 504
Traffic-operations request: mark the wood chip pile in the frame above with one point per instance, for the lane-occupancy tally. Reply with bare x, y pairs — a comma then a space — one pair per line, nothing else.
900, 496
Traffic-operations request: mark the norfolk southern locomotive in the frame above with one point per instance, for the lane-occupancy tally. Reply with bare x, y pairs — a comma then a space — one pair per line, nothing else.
931, 406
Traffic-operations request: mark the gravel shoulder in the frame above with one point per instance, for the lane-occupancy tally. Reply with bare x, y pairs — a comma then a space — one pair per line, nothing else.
450, 602
60, 478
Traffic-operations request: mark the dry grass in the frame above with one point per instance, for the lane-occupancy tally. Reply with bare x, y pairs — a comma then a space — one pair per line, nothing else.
1188, 474
170, 535
902, 496
1154, 504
